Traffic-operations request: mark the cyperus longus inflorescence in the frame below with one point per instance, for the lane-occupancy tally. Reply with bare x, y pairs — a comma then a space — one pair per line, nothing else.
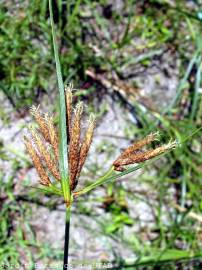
43, 147
43, 143
78, 148
44, 159
134, 154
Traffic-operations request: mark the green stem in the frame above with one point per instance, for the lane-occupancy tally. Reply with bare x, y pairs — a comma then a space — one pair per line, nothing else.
111, 175
66, 243
98, 182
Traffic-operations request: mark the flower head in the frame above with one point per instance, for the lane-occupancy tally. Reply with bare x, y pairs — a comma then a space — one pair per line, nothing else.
43, 144
134, 154
78, 147
45, 158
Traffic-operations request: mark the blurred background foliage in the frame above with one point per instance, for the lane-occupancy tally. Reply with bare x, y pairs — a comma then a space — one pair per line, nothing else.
112, 43
84, 26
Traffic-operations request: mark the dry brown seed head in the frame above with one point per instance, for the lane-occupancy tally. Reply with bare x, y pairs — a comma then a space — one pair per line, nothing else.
74, 145
68, 93
42, 149
133, 149
140, 157
86, 144
44, 179
41, 122
54, 141
140, 143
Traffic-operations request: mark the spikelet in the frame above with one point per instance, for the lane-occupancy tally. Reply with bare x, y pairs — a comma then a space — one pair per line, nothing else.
86, 144
74, 145
44, 179
53, 136
45, 155
139, 144
68, 94
41, 122
143, 156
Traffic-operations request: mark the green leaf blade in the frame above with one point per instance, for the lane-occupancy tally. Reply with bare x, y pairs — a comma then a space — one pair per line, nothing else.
111, 175
63, 163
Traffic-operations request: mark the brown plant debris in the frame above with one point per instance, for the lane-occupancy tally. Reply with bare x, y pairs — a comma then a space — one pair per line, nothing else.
127, 91
190, 214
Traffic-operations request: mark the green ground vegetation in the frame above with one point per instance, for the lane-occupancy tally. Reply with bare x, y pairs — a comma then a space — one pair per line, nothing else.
95, 35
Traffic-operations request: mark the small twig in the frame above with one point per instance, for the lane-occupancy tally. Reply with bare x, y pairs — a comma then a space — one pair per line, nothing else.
125, 90
189, 214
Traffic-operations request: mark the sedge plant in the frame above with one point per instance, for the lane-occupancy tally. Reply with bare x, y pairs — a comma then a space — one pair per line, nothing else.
44, 143
59, 154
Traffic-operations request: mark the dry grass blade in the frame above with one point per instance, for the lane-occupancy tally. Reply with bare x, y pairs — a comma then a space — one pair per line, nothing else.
189, 214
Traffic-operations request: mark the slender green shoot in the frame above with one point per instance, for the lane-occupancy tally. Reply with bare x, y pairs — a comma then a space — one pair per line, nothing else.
63, 164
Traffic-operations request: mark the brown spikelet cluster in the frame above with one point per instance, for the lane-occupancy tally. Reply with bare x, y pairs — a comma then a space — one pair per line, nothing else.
42, 146
68, 94
53, 135
78, 148
44, 179
41, 122
134, 154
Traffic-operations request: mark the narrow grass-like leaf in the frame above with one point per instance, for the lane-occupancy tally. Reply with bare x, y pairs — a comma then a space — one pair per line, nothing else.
196, 88
162, 257
73, 13
191, 135
104, 179
48, 190
62, 118
181, 84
